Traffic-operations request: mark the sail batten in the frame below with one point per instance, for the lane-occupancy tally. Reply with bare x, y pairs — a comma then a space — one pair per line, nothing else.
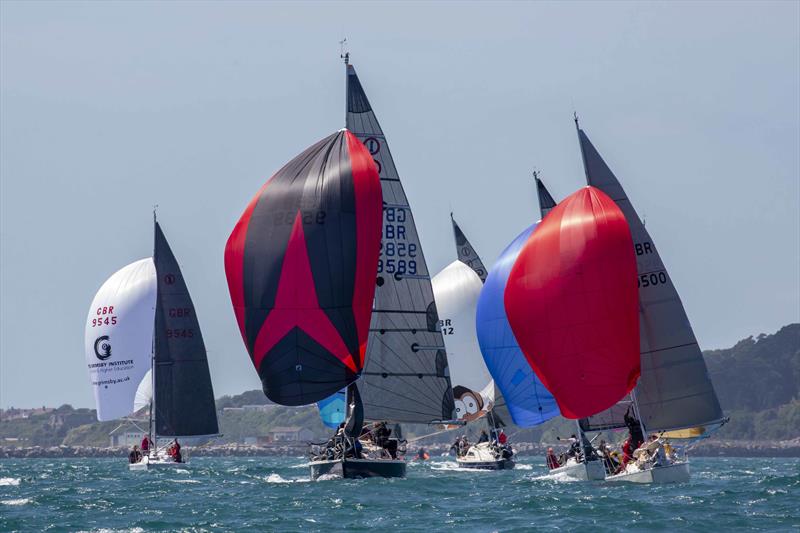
406, 377
674, 390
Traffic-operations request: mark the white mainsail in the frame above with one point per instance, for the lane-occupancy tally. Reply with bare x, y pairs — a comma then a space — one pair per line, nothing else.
456, 290
119, 337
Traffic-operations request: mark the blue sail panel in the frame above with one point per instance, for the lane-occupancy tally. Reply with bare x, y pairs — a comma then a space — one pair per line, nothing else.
529, 402
332, 409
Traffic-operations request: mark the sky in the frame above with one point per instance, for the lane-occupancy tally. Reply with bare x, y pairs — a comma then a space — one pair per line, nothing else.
107, 109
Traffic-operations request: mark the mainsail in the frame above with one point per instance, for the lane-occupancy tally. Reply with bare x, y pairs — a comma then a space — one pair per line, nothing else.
526, 398
184, 398
572, 304
406, 377
119, 337
301, 268
466, 252
674, 391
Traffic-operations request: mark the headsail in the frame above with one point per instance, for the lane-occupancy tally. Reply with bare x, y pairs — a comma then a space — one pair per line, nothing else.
184, 397
572, 304
526, 398
456, 289
674, 391
301, 265
466, 253
119, 337
406, 377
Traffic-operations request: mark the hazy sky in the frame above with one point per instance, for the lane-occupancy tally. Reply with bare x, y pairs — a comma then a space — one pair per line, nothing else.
109, 108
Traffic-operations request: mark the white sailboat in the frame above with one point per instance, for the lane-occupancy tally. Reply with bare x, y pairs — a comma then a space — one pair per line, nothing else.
144, 348
456, 290
674, 391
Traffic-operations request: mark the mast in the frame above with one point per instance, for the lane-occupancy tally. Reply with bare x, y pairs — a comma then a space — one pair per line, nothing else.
151, 431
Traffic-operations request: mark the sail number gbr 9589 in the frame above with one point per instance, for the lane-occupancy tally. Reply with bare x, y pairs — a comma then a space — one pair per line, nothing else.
397, 256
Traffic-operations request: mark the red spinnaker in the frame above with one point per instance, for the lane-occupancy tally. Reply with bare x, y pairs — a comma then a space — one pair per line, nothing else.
572, 302
301, 264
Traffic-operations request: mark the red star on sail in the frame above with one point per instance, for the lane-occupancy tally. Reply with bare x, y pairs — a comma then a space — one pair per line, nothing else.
297, 305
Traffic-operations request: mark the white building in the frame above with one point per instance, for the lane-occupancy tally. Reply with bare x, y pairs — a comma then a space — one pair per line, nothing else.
291, 434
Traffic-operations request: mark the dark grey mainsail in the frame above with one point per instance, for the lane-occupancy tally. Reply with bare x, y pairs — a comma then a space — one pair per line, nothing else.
466, 253
674, 390
405, 378
183, 396
546, 202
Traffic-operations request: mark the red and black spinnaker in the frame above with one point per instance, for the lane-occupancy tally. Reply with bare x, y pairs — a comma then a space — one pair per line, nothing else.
301, 264
572, 302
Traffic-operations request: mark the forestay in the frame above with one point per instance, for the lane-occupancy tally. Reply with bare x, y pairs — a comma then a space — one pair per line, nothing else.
674, 390
406, 377
184, 397
119, 337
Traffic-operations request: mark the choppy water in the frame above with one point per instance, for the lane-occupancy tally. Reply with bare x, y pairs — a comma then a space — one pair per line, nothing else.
215, 494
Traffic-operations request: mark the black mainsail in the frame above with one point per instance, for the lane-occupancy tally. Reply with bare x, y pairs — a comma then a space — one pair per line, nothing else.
405, 378
674, 390
183, 395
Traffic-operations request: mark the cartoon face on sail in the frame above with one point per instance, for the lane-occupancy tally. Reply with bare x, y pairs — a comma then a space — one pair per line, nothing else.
301, 265
572, 303
456, 290
119, 338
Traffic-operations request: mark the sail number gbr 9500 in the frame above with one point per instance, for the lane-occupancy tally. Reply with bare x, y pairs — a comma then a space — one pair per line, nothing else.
397, 256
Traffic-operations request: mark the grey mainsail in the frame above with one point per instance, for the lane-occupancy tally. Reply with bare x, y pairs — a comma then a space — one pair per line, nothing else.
184, 398
405, 378
466, 253
546, 201
674, 390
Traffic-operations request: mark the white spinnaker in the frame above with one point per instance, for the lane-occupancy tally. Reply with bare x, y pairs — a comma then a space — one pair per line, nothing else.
119, 337
456, 290
144, 392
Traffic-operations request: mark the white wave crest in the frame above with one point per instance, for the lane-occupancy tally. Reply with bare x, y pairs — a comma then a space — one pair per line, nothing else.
18, 501
277, 478
9, 481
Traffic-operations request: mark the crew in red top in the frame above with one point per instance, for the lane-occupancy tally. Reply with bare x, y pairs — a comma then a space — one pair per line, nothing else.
146, 442
501, 438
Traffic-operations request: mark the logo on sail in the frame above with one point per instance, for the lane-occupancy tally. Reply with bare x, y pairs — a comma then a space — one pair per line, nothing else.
102, 348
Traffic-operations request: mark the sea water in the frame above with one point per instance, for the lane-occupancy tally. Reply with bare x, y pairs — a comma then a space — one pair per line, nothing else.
275, 494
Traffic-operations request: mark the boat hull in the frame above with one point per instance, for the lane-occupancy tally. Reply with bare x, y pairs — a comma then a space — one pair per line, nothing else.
499, 464
674, 473
149, 463
358, 468
591, 471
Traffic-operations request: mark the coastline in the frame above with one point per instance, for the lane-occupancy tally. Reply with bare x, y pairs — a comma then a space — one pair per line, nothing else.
711, 448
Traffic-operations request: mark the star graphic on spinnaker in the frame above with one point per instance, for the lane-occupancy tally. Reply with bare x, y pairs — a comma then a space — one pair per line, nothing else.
297, 306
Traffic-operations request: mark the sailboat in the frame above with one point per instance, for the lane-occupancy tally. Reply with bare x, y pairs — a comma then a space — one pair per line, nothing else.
674, 391
301, 265
405, 378
144, 347
457, 289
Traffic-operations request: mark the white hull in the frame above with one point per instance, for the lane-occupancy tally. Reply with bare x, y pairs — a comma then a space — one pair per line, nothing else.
591, 471
484, 457
153, 463
674, 473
